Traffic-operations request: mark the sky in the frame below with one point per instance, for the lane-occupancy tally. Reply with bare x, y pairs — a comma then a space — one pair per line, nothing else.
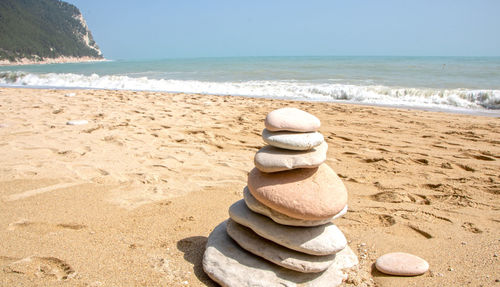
153, 29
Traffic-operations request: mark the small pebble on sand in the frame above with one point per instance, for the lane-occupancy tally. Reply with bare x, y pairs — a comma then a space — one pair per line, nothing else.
401, 264
77, 122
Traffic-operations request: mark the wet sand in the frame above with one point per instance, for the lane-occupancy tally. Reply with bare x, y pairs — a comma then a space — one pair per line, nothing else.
130, 198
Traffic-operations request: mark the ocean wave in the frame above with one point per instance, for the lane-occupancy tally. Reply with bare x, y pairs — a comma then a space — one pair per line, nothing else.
368, 94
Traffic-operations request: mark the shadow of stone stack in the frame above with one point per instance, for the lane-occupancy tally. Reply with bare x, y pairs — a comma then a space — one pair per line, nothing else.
281, 233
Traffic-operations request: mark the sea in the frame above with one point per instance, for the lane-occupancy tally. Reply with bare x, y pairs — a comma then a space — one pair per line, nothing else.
468, 85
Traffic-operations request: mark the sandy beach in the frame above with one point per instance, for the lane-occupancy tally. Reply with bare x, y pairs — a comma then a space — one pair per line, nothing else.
130, 198
58, 60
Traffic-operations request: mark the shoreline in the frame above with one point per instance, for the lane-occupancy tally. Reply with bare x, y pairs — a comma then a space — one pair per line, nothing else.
138, 189
59, 60
460, 111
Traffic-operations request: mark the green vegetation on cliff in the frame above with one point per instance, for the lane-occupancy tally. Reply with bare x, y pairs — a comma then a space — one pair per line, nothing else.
38, 29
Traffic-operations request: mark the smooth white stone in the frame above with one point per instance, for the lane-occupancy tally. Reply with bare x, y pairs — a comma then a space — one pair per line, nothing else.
276, 253
318, 240
273, 159
291, 119
292, 140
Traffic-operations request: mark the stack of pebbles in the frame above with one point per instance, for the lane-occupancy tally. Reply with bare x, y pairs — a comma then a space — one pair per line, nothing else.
281, 233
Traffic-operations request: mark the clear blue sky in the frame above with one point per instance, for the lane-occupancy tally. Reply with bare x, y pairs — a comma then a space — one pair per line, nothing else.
133, 29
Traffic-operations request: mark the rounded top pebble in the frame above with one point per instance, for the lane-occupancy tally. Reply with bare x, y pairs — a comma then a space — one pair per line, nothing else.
401, 264
291, 119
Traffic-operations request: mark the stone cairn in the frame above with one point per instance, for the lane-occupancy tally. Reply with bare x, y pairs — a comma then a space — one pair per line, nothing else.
281, 233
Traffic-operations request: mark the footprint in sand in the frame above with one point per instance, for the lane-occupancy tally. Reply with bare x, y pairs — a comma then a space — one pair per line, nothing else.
420, 231
41, 267
493, 189
332, 136
399, 197
439, 146
386, 220
114, 139
70, 154
433, 185
481, 157
160, 264
456, 199
446, 165
466, 167
370, 218
93, 129
375, 159
413, 215
422, 161
489, 154
471, 227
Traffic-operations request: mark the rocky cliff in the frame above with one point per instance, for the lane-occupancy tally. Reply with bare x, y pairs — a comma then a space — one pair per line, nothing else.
34, 31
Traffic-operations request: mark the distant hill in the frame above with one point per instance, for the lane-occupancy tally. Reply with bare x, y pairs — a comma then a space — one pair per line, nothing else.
37, 30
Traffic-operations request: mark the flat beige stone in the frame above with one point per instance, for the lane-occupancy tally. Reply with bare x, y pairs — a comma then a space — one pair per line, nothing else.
401, 264
254, 205
273, 159
231, 266
318, 240
276, 253
307, 193
292, 140
292, 119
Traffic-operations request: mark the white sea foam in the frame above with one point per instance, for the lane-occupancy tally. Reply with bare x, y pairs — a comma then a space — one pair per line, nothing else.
368, 94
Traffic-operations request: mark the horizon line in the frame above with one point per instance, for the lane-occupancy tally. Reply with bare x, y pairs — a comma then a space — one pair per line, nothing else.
298, 56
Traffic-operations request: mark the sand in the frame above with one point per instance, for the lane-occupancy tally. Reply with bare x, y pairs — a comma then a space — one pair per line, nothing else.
130, 198
58, 60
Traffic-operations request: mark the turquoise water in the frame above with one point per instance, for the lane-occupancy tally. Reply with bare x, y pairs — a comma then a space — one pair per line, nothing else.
450, 83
